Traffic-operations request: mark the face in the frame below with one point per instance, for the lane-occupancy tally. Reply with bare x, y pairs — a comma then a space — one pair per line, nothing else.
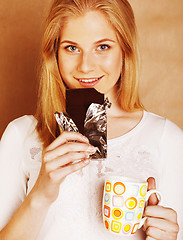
89, 54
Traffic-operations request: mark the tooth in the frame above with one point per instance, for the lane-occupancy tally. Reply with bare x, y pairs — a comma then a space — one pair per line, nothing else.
88, 80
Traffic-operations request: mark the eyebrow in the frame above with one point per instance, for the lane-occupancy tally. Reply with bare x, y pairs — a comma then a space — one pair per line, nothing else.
105, 40
97, 42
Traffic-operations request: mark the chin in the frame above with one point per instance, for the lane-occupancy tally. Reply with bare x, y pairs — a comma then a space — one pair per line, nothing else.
102, 91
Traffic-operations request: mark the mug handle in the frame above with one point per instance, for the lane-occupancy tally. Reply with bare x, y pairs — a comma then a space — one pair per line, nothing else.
159, 195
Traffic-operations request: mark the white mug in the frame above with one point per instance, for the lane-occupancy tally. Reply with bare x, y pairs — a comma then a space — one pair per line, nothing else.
124, 200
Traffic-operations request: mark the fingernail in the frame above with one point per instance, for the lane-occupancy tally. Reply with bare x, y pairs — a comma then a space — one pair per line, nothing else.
86, 160
85, 138
87, 155
91, 149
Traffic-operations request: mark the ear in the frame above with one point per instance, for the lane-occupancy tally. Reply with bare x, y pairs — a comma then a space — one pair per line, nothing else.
153, 200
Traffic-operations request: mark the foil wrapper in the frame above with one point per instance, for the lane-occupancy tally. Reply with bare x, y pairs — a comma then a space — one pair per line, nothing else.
65, 122
95, 127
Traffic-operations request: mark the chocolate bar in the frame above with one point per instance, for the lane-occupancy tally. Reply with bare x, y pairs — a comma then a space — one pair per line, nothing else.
86, 113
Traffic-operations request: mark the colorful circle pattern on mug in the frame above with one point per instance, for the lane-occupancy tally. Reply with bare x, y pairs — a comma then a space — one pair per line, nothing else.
123, 206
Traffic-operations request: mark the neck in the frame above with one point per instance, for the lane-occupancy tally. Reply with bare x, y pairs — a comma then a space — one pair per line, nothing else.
115, 110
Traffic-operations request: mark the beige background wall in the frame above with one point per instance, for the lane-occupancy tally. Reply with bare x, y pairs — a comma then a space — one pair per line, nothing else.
160, 26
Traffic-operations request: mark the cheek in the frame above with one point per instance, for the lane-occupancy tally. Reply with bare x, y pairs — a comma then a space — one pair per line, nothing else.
65, 64
118, 62
61, 62
64, 68
112, 63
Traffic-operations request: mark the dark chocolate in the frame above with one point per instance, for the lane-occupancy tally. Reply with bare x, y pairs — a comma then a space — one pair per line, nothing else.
77, 103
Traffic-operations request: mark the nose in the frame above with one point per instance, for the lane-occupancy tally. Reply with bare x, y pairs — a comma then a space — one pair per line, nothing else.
86, 63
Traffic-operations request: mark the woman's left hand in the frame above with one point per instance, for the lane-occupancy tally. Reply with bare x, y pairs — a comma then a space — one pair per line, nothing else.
161, 222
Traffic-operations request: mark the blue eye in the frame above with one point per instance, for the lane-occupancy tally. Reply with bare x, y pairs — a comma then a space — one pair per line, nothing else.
103, 47
72, 48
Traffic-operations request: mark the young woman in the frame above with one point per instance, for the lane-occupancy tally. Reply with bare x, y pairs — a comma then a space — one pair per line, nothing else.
46, 193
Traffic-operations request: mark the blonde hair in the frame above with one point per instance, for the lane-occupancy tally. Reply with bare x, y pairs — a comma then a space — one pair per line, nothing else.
52, 89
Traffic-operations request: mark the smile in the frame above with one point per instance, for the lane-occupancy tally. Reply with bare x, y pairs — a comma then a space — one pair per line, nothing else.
88, 82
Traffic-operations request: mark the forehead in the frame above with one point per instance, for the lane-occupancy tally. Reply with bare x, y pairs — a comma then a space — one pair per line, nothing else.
92, 25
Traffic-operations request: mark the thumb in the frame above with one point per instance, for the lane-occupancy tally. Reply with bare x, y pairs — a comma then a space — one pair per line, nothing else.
153, 200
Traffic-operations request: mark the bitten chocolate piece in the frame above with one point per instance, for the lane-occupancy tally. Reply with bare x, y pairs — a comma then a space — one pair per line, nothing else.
77, 103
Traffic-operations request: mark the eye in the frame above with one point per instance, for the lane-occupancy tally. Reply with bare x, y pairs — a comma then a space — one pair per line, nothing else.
72, 48
103, 47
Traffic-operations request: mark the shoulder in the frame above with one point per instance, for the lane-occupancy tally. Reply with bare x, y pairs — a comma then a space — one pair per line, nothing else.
170, 140
163, 124
154, 119
20, 128
160, 131
24, 122
18, 139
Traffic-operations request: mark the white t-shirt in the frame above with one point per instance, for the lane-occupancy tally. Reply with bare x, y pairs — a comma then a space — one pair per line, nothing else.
153, 148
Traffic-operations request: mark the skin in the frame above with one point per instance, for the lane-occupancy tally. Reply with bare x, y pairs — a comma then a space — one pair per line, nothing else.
161, 222
89, 57
90, 51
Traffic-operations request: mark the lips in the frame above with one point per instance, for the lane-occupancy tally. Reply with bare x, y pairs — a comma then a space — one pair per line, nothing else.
88, 82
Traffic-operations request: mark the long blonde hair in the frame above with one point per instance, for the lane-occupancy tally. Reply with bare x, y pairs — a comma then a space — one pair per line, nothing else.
52, 89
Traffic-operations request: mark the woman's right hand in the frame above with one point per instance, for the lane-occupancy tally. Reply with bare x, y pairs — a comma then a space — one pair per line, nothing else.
65, 155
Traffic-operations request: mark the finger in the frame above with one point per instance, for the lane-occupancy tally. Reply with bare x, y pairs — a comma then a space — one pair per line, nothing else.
153, 200
162, 224
149, 238
161, 212
156, 233
57, 175
66, 148
65, 159
67, 136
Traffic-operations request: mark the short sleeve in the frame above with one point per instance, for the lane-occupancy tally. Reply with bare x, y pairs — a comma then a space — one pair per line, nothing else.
12, 177
171, 183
